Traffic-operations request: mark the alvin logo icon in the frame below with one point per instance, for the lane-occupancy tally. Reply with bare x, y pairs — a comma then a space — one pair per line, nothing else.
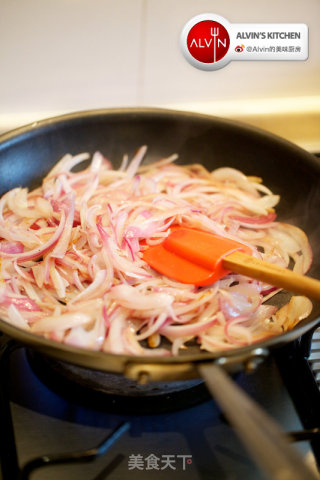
208, 41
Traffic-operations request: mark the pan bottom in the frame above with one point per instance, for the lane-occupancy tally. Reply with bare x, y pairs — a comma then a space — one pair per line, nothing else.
115, 393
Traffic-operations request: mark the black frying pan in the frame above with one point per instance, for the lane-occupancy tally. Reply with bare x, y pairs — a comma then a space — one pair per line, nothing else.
27, 154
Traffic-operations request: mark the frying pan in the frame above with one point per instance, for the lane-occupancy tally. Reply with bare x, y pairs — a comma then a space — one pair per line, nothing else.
28, 153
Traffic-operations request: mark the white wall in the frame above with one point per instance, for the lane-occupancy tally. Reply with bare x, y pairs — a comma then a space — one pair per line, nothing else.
169, 78
68, 54
64, 55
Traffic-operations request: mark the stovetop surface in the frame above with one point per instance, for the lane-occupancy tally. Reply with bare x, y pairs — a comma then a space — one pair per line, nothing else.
193, 443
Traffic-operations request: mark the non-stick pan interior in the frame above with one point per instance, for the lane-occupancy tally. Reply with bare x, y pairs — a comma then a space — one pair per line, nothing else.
27, 154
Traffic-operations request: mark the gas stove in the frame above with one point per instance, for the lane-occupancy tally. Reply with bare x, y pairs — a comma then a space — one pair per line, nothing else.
68, 432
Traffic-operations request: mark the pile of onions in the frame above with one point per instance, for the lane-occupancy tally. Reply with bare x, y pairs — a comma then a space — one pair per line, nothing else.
72, 269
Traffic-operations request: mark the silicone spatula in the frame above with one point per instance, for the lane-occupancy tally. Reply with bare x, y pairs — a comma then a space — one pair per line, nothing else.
201, 258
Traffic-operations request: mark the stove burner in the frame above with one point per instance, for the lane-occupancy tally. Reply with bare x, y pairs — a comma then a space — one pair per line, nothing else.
115, 393
23, 386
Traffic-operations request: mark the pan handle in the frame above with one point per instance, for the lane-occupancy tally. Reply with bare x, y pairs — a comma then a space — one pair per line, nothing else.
260, 434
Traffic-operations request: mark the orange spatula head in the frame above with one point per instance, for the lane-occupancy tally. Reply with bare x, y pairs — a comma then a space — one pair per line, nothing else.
192, 256
201, 258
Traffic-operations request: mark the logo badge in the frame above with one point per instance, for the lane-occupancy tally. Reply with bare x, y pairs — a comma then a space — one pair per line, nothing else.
205, 41
210, 42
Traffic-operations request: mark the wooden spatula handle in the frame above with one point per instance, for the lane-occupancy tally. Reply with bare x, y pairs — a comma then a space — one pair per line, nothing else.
273, 274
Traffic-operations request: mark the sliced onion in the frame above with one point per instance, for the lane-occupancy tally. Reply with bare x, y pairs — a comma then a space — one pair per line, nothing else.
11, 247
61, 322
61, 247
190, 330
293, 312
16, 319
39, 251
71, 257
93, 289
129, 297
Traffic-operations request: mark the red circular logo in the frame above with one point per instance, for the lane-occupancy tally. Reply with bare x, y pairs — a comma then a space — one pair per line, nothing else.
208, 41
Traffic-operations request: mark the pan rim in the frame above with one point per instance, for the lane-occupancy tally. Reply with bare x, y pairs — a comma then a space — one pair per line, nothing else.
38, 342
52, 347
100, 112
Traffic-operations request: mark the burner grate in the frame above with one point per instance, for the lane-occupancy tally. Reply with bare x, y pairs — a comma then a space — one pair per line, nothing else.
314, 357
8, 452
